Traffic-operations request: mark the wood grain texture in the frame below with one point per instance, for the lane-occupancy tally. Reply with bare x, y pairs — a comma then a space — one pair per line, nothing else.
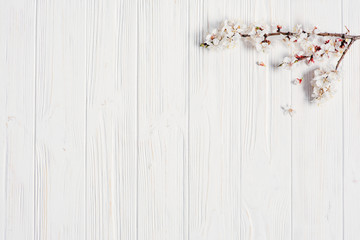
351, 127
266, 135
60, 117
162, 118
115, 124
111, 116
317, 143
17, 60
214, 127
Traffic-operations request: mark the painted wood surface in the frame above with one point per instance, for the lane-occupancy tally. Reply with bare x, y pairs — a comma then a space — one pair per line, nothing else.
317, 145
115, 124
17, 119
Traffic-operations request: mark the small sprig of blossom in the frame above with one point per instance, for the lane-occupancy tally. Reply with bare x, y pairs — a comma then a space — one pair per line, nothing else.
308, 46
297, 81
288, 109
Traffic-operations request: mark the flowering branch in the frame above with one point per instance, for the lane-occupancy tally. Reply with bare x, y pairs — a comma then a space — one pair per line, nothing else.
325, 34
308, 46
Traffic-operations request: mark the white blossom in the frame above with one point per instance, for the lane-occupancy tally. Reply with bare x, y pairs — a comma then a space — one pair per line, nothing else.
300, 35
325, 50
324, 84
228, 35
289, 110
257, 37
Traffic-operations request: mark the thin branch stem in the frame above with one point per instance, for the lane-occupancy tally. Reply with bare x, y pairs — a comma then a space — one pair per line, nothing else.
324, 34
340, 35
342, 56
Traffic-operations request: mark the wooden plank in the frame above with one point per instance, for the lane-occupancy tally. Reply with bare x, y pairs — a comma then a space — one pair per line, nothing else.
17, 46
351, 126
162, 118
214, 126
60, 120
111, 58
317, 141
236, 157
266, 134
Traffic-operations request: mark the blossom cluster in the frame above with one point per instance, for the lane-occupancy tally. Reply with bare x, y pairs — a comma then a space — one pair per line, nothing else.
230, 33
308, 46
324, 83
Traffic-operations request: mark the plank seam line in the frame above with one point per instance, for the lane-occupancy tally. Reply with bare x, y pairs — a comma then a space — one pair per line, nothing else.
137, 118
86, 122
186, 161
34, 117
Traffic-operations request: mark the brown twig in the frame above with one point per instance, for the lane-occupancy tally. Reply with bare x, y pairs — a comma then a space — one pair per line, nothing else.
340, 35
324, 34
342, 56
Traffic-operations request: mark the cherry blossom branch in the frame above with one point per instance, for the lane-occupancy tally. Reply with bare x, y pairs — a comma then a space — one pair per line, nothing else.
324, 34
311, 45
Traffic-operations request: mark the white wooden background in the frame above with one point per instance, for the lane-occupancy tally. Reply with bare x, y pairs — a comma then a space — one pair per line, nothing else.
115, 124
